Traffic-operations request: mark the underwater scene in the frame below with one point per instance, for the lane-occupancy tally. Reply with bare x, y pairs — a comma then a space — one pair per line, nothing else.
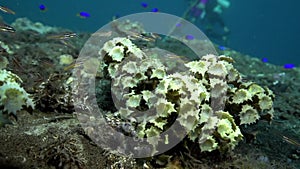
146, 84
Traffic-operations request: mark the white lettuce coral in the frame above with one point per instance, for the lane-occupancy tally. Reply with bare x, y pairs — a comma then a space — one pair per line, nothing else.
12, 96
197, 96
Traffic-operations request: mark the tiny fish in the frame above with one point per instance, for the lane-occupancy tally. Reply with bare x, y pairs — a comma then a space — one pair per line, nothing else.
6, 28
64, 42
103, 34
7, 10
144, 4
151, 37
154, 10
43, 7
222, 48
290, 141
265, 60
155, 36
46, 63
136, 36
289, 66
83, 15
72, 66
178, 25
189, 37
62, 36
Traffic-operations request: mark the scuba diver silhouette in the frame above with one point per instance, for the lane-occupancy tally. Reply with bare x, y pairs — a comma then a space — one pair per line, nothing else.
209, 14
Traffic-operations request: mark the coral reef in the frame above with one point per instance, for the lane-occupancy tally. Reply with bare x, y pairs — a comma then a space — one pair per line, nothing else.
5, 48
65, 152
24, 24
51, 137
65, 59
12, 96
54, 95
127, 28
36, 61
3, 62
209, 99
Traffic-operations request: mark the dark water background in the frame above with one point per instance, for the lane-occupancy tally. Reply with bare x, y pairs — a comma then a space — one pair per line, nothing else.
262, 28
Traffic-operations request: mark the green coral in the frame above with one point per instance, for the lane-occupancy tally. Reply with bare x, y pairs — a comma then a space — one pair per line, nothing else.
209, 99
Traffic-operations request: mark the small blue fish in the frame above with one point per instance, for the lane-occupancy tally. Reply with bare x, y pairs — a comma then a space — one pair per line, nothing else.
144, 4
178, 25
222, 48
189, 37
289, 66
43, 7
154, 10
265, 60
83, 15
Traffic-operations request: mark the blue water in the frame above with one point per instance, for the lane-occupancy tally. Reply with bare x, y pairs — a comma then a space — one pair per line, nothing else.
266, 28
262, 28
